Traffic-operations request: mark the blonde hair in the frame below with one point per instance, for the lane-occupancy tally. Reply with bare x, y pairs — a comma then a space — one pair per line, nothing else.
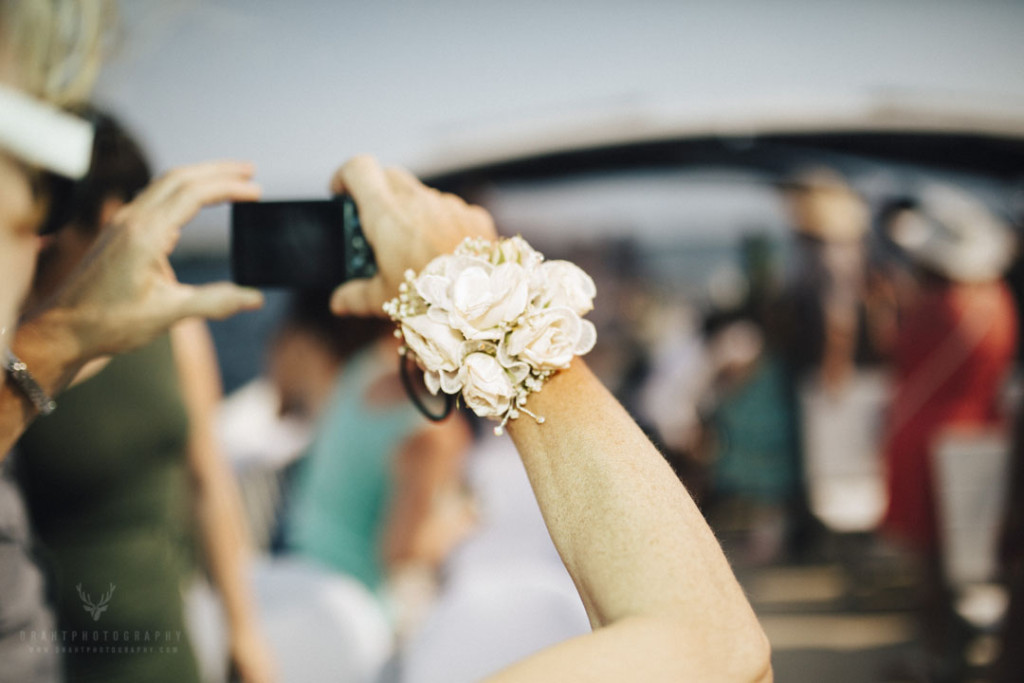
53, 48
826, 208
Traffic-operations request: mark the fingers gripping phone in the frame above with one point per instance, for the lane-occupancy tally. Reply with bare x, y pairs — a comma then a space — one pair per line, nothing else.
308, 244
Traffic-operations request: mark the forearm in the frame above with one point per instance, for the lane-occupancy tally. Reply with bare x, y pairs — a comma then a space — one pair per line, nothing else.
404, 536
219, 507
632, 539
840, 349
49, 350
227, 551
428, 468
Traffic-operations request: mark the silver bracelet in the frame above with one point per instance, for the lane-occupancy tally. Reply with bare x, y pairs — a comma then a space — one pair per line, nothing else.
19, 372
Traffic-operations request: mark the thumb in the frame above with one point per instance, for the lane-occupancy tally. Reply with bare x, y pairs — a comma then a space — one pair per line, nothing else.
360, 297
220, 300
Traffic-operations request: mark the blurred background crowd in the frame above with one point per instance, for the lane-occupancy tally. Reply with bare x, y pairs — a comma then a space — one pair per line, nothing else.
803, 222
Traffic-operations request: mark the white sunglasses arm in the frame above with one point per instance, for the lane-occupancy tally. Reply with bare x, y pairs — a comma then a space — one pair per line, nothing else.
43, 135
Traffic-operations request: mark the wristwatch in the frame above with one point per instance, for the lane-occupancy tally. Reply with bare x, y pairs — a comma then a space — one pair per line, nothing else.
19, 373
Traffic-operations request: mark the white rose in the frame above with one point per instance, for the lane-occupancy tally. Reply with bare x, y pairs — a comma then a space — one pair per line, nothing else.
434, 284
549, 338
448, 382
561, 283
436, 345
516, 368
485, 296
486, 387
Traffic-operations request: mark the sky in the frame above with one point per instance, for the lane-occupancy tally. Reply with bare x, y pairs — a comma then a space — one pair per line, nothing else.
298, 87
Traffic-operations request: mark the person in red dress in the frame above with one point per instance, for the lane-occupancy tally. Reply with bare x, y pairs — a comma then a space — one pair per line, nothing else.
952, 356
954, 350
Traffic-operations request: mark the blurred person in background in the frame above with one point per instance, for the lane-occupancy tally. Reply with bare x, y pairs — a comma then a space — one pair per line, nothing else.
1011, 556
50, 51
1011, 540
831, 330
754, 469
378, 494
127, 476
670, 399
825, 295
954, 350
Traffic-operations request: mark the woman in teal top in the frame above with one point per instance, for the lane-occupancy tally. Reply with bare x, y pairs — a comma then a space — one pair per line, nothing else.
344, 485
368, 494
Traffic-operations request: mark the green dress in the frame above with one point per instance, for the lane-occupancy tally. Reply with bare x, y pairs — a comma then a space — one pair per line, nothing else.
107, 486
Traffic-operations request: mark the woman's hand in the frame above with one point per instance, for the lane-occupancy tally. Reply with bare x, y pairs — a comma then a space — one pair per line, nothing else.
251, 659
124, 293
406, 222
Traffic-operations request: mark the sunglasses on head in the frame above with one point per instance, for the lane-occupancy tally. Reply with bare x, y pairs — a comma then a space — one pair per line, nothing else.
57, 144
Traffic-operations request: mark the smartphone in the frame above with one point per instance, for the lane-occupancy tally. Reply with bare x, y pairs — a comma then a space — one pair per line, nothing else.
305, 244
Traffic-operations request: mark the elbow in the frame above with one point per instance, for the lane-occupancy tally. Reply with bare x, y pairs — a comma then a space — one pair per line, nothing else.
757, 660
744, 654
752, 651
764, 673
739, 652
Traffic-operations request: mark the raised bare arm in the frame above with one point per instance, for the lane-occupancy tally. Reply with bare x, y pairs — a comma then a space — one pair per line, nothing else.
660, 594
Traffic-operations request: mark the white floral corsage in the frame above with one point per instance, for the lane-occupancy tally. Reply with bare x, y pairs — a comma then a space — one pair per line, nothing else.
494, 321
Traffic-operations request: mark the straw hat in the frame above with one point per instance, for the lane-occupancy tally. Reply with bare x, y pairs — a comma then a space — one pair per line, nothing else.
825, 208
953, 234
